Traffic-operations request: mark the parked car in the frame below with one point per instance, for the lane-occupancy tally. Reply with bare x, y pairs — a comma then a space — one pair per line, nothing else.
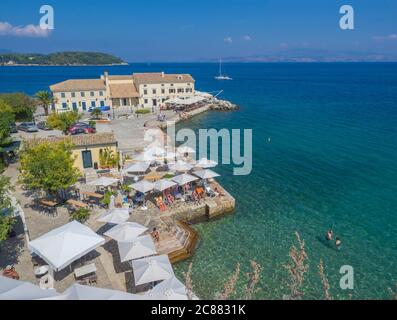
13, 128
102, 108
28, 127
81, 127
42, 125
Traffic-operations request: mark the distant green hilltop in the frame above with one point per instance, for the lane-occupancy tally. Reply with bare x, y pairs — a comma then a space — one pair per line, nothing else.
59, 59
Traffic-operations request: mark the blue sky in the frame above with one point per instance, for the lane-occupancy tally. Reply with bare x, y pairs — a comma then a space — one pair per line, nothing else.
176, 30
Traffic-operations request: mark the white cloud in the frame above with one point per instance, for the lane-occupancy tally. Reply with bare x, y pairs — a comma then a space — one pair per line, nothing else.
247, 37
30, 30
228, 40
392, 36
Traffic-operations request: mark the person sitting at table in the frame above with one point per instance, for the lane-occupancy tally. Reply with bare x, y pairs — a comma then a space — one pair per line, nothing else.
155, 235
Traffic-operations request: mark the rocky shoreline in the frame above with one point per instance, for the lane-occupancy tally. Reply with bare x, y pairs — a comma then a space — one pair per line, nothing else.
222, 105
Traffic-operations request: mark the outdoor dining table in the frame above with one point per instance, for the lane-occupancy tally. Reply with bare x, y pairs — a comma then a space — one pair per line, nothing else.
48, 203
77, 204
92, 194
84, 270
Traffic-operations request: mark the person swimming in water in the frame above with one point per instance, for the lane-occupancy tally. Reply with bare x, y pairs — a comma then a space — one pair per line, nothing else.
330, 235
338, 243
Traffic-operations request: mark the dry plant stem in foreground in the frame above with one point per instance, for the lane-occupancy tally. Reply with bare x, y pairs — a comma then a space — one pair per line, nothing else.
189, 282
253, 279
230, 285
297, 269
324, 281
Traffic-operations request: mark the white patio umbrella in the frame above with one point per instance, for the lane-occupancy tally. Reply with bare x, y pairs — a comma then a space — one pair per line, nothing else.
138, 167
103, 181
180, 165
143, 186
206, 174
81, 292
206, 163
142, 246
163, 184
11, 289
169, 289
127, 231
152, 269
115, 216
63, 245
185, 149
184, 179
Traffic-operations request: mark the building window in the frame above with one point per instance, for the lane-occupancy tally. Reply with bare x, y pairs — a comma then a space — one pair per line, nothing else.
180, 90
145, 101
63, 95
82, 94
171, 84
101, 93
92, 103
144, 91
162, 91
92, 93
84, 106
64, 105
162, 84
74, 105
154, 91
73, 95
172, 90
102, 103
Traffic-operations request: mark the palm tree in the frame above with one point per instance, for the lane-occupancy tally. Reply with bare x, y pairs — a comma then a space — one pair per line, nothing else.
45, 99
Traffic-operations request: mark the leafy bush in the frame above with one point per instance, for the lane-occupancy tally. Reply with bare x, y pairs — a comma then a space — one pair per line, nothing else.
80, 215
22, 106
63, 121
143, 111
92, 123
6, 224
96, 113
106, 197
108, 158
168, 176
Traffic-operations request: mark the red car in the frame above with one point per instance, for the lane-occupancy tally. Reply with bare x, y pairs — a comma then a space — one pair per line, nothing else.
81, 127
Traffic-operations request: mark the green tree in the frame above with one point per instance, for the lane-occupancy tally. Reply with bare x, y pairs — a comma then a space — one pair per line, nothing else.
6, 118
6, 221
22, 105
48, 166
80, 215
96, 113
63, 121
45, 99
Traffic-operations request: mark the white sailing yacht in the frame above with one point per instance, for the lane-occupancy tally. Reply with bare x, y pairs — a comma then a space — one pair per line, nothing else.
222, 76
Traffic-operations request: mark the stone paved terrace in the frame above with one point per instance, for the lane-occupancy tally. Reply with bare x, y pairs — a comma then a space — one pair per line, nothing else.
112, 273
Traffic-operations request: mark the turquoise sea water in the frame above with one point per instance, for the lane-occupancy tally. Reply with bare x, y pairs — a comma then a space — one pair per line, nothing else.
331, 162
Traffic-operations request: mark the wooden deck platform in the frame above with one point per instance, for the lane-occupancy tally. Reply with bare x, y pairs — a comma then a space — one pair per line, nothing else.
179, 247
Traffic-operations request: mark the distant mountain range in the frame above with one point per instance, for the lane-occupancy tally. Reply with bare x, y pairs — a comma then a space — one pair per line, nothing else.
71, 58
313, 55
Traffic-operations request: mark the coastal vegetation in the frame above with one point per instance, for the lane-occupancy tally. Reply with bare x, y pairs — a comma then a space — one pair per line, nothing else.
6, 119
59, 59
63, 121
48, 167
96, 113
6, 221
22, 106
